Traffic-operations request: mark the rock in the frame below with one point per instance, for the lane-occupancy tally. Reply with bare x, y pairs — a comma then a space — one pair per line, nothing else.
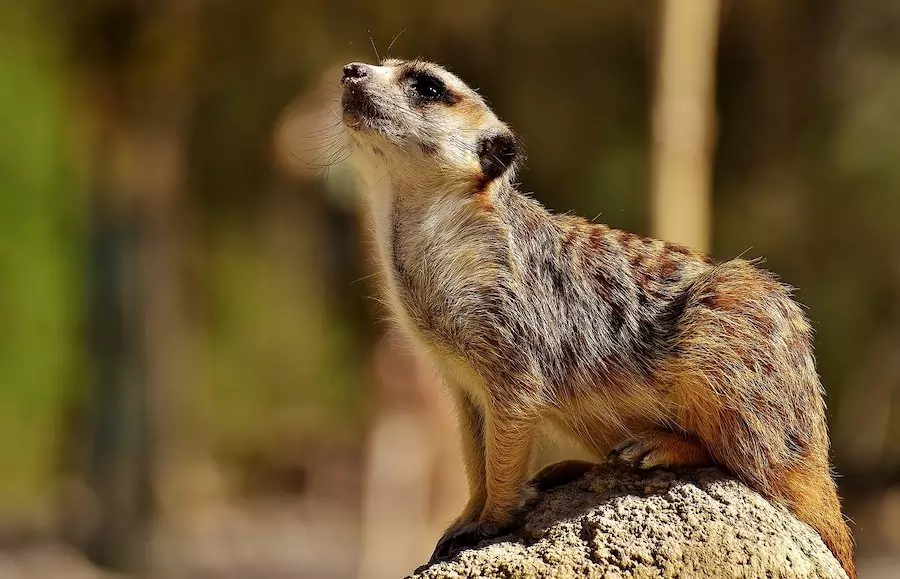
618, 522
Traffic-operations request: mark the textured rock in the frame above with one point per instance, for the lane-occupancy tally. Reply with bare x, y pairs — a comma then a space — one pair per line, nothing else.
618, 522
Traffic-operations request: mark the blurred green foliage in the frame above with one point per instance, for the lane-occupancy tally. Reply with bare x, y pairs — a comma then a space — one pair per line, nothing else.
41, 205
278, 353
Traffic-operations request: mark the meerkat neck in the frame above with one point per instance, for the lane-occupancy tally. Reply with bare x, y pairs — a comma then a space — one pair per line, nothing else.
416, 224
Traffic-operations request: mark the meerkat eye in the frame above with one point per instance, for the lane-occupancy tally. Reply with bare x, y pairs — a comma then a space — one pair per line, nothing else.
428, 87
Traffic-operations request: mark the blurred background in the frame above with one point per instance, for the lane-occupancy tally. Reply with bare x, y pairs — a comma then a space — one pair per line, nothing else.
196, 380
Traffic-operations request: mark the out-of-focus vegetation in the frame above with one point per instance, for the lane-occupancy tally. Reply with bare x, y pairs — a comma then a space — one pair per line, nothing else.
41, 204
185, 322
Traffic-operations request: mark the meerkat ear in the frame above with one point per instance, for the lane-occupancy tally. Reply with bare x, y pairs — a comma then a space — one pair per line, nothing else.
497, 154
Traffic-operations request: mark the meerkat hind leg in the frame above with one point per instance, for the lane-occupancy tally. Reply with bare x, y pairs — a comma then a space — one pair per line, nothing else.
660, 449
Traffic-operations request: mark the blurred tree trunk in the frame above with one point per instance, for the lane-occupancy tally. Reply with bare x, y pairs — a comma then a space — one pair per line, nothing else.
128, 77
683, 122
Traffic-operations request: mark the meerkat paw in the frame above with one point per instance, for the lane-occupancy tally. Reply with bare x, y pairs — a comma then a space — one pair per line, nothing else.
472, 528
559, 474
465, 535
661, 449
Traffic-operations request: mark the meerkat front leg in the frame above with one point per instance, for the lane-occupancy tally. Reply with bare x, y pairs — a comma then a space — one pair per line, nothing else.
509, 440
471, 430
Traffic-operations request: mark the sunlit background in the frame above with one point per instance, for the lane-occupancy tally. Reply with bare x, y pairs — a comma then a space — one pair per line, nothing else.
195, 380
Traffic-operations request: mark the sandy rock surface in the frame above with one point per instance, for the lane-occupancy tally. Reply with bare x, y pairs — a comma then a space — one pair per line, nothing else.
617, 522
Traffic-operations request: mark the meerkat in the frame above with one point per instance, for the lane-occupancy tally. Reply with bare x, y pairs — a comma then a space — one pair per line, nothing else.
541, 323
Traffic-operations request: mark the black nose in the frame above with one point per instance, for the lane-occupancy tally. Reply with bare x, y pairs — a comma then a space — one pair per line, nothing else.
355, 72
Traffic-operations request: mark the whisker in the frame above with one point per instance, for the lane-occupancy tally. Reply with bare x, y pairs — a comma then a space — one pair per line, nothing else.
365, 277
391, 45
324, 130
372, 40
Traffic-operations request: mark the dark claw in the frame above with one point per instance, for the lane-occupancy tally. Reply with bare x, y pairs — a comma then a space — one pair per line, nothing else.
618, 450
451, 544
471, 535
640, 461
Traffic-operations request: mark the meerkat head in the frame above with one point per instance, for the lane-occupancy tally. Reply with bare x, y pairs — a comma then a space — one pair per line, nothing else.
425, 125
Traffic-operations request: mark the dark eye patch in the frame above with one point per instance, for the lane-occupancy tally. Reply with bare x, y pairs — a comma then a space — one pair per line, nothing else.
428, 88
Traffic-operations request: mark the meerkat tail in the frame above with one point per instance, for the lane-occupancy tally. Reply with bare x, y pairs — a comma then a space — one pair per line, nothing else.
812, 496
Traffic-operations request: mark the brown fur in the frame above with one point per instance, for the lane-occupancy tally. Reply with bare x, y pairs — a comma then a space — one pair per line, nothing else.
545, 322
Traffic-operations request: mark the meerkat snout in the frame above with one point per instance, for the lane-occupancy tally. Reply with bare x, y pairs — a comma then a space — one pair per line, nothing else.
354, 72
356, 102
